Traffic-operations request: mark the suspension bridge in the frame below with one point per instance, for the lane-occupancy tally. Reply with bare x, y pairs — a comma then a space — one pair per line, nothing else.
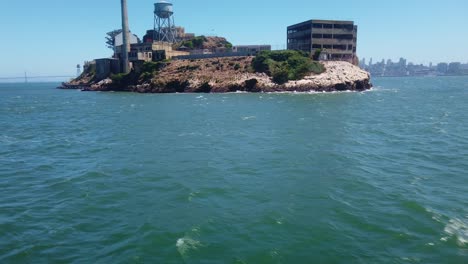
27, 78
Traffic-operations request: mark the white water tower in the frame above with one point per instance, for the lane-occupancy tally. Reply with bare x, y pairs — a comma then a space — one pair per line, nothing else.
164, 27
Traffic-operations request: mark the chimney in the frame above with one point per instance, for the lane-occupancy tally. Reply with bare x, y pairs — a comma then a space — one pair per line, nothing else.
125, 37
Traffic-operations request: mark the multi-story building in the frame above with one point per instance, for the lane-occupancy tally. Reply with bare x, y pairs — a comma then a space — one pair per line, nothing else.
336, 39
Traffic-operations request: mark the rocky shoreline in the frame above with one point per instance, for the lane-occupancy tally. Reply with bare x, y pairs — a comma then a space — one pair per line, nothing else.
221, 75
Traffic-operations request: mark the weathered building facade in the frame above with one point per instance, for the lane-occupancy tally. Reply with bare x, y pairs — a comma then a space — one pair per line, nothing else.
336, 39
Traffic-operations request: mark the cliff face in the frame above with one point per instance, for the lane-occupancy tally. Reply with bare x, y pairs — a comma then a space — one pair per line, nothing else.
233, 74
339, 76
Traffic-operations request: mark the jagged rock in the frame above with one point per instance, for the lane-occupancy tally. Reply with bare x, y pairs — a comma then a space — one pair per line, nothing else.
220, 75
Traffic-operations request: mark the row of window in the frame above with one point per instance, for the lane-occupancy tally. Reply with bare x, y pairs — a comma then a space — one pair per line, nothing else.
335, 36
299, 41
335, 47
336, 26
135, 54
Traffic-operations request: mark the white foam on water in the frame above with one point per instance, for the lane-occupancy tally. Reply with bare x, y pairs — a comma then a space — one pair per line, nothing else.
458, 228
186, 244
192, 195
435, 216
248, 117
322, 92
279, 221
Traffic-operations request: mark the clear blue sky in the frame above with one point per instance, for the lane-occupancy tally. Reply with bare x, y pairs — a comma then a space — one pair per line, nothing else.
49, 37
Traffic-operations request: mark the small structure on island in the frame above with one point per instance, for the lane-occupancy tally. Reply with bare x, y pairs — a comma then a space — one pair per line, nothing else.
106, 67
78, 70
251, 49
164, 26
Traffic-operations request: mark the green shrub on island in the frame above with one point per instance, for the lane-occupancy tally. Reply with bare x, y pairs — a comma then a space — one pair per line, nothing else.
200, 41
286, 65
317, 54
120, 79
151, 67
195, 43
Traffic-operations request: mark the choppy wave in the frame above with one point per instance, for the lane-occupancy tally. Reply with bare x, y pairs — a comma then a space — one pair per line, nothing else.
458, 228
186, 244
378, 176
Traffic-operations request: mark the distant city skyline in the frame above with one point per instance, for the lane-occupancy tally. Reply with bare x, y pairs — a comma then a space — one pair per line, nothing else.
403, 67
374, 61
51, 37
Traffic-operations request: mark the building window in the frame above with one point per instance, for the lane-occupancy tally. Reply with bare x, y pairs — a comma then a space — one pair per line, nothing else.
344, 36
339, 47
317, 36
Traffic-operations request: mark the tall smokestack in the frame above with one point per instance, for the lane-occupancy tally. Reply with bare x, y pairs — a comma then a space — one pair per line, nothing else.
125, 36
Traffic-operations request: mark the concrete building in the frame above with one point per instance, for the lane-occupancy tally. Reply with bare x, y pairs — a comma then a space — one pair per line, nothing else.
253, 49
149, 51
164, 51
337, 39
106, 66
141, 52
132, 38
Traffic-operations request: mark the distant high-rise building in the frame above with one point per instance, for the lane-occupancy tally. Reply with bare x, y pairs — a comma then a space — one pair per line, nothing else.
442, 68
454, 68
362, 63
402, 62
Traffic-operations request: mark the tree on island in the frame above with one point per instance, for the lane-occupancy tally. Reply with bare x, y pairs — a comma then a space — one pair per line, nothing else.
110, 38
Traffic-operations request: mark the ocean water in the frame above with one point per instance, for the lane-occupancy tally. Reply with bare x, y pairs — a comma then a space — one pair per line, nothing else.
373, 177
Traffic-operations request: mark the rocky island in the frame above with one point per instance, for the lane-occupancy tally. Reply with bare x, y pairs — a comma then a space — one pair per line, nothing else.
269, 71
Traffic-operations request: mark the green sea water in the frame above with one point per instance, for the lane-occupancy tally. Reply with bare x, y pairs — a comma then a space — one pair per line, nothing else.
373, 177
